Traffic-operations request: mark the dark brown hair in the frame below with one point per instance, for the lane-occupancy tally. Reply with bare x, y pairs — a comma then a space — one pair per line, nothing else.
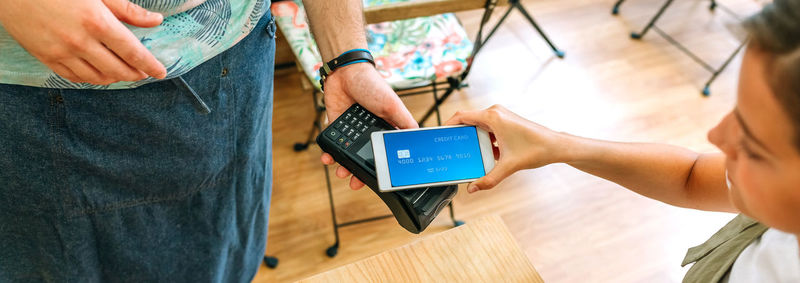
776, 31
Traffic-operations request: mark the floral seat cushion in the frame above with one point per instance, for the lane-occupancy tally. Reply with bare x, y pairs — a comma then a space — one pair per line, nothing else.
407, 53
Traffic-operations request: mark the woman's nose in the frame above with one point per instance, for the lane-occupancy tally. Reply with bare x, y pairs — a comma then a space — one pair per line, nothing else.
722, 136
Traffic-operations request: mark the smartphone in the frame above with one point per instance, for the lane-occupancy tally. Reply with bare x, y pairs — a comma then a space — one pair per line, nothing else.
347, 139
435, 156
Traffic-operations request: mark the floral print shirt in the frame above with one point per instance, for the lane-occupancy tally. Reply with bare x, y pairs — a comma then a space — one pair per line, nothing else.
193, 31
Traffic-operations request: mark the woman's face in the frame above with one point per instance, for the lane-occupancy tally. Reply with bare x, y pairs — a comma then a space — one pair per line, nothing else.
762, 160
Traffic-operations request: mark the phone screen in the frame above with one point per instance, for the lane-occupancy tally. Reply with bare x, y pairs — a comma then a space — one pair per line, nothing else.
431, 156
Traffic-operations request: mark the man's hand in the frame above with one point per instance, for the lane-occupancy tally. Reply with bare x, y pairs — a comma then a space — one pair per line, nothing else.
360, 83
338, 26
84, 40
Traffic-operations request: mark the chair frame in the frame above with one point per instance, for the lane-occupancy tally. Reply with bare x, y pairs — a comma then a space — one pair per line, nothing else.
715, 71
411, 9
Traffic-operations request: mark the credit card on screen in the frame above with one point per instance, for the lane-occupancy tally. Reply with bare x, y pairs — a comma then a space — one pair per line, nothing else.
414, 158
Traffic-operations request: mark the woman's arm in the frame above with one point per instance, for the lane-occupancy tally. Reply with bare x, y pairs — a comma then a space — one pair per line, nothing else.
670, 174
666, 173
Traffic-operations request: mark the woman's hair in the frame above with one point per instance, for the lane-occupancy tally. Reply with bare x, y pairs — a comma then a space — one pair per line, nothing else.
776, 31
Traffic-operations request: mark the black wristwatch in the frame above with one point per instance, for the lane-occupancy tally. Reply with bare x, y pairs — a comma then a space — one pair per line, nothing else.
347, 58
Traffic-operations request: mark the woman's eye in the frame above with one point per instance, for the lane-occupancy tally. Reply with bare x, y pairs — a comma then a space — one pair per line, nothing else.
749, 152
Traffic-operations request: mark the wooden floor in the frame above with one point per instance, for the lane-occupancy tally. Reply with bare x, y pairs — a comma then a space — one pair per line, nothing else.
574, 227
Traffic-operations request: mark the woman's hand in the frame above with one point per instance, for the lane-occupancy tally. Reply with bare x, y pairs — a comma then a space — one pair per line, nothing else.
84, 40
361, 83
522, 144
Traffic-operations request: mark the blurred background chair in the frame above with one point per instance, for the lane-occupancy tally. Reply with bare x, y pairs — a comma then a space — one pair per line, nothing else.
418, 47
715, 71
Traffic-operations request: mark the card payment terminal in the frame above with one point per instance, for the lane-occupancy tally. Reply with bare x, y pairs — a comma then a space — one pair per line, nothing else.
347, 139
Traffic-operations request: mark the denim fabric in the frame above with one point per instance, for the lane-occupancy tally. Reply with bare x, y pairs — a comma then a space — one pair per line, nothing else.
136, 186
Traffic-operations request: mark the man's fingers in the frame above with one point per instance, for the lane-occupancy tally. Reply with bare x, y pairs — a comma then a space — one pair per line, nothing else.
404, 120
133, 14
355, 183
110, 65
127, 47
341, 172
327, 159
497, 175
400, 117
65, 72
332, 115
87, 72
334, 107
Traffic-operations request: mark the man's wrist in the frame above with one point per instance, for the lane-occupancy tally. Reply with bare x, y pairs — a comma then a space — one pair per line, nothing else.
350, 70
347, 58
337, 26
336, 49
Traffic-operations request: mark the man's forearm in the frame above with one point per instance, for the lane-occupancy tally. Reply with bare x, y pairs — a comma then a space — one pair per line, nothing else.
337, 25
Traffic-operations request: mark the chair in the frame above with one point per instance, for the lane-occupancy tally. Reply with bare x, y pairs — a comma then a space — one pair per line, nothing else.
652, 24
418, 47
426, 61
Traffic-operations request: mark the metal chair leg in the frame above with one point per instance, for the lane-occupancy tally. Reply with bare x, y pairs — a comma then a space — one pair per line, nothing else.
496, 26
441, 99
524, 12
515, 4
300, 146
435, 100
333, 249
615, 9
271, 262
652, 22
706, 90
456, 222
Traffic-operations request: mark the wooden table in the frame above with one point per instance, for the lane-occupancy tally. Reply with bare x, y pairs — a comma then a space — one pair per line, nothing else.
483, 250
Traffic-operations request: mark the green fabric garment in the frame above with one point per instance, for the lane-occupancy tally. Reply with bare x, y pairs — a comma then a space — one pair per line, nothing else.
714, 258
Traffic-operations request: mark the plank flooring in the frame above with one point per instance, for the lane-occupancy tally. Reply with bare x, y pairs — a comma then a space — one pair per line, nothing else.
574, 227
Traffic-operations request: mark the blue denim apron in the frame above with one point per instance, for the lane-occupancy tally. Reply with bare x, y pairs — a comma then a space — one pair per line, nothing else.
135, 185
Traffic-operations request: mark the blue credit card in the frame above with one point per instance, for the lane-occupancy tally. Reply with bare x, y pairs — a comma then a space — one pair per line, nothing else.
432, 156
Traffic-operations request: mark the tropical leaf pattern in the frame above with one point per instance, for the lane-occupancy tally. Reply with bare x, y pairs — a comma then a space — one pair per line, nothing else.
193, 31
407, 52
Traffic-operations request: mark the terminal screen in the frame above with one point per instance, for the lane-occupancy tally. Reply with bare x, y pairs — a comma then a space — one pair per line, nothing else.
431, 156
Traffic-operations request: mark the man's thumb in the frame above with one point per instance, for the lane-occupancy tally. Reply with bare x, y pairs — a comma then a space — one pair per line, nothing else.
133, 14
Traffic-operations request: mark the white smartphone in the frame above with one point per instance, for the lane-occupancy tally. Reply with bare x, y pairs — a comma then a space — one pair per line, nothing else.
414, 158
